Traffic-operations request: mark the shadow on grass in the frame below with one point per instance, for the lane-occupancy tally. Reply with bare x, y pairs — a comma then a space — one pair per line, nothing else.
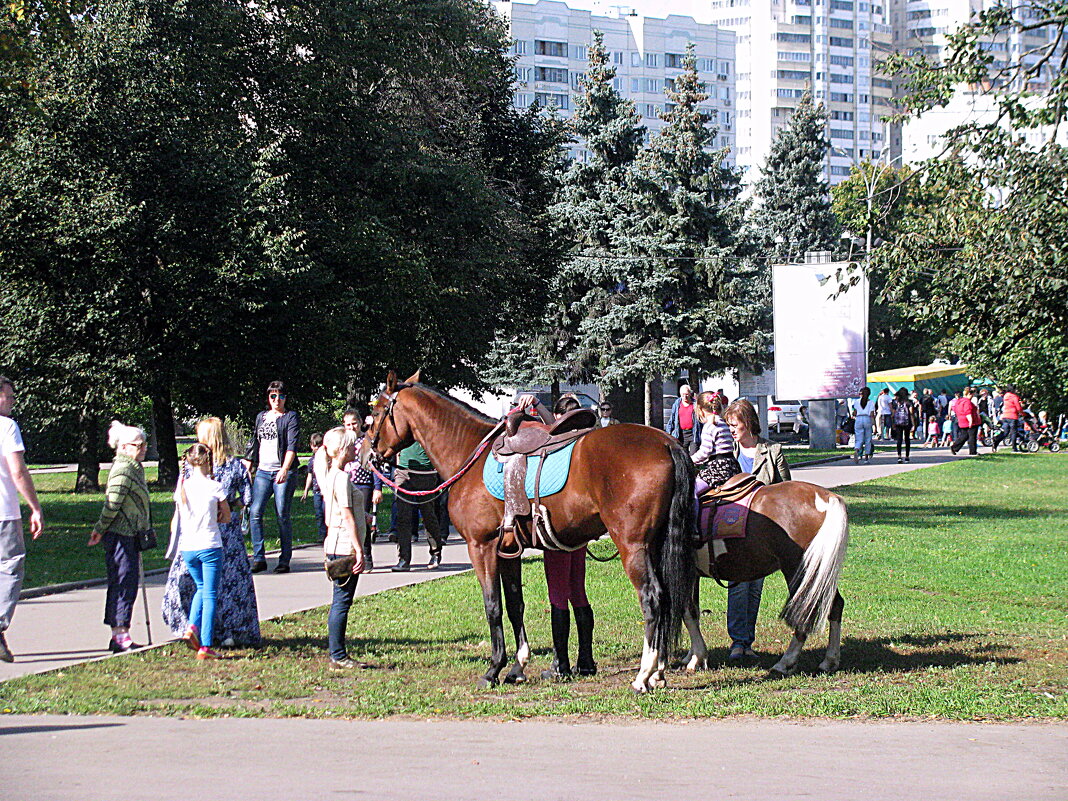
875, 656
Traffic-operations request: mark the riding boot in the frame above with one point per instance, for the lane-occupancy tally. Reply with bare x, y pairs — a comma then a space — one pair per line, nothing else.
584, 665
560, 670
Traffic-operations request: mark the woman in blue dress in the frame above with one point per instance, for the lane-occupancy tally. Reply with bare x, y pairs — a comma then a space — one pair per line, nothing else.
237, 620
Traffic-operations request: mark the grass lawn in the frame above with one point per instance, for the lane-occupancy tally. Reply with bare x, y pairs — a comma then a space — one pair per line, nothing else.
955, 584
61, 553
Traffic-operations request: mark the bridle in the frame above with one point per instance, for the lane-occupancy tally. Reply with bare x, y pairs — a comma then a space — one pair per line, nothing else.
375, 457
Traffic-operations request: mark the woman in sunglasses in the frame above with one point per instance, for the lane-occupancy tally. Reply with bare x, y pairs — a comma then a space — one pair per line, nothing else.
271, 457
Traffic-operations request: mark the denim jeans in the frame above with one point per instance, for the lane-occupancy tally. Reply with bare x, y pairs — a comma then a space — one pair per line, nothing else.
743, 603
338, 620
863, 444
262, 488
12, 568
205, 568
1010, 429
320, 514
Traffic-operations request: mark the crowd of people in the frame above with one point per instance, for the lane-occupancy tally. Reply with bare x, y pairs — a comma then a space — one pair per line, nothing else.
968, 417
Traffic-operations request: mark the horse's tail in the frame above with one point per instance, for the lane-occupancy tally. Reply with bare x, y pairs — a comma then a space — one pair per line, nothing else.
670, 563
813, 587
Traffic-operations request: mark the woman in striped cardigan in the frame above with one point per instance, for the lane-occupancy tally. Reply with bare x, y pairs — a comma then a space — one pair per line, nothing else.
126, 511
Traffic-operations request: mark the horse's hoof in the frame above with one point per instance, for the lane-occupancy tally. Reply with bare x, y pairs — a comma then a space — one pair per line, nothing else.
695, 664
638, 688
658, 683
486, 683
780, 673
828, 667
515, 677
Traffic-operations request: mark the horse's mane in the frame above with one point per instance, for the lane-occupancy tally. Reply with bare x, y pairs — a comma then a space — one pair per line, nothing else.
466, 406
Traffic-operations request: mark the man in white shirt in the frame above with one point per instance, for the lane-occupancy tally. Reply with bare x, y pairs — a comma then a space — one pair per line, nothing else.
14, 479
884, 411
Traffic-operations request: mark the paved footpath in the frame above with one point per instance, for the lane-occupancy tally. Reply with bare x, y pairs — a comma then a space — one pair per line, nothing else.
53, 757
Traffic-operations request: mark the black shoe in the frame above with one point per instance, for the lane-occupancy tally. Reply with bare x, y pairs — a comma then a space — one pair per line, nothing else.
435, 561
5, 652
401, 567
392, 536
259, 567
584, 665
115, 648
280, 568
368, 565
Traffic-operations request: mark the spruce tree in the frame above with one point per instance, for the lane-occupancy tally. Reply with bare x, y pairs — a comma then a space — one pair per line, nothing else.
588, 203
793, 211
681, 291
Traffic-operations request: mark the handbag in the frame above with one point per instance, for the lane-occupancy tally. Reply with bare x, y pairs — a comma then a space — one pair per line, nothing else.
145, 539
849, 425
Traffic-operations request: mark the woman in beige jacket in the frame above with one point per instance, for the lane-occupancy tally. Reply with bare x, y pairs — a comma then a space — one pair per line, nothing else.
766, 461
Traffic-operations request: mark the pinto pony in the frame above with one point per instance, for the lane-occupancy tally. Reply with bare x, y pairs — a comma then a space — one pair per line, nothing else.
802, 530
631, 481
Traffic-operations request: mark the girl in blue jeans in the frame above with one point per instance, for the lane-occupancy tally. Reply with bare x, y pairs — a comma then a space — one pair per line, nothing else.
202, 506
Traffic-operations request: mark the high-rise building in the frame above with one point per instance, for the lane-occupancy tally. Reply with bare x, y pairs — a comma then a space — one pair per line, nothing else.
551, 42
832, 48
921, 27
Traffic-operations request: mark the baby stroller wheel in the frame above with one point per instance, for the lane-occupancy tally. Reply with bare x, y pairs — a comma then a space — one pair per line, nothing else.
1032, 446
1054, 447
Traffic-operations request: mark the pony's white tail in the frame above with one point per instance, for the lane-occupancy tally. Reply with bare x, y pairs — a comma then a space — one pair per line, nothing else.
816, 581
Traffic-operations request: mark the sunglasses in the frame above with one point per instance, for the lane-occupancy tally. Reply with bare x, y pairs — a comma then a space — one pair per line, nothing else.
277, 396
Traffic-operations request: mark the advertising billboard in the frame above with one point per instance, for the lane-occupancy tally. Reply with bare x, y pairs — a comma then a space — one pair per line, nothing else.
821, 341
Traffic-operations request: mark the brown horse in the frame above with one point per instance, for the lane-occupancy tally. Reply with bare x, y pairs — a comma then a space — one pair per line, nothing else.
802, 530
631, 481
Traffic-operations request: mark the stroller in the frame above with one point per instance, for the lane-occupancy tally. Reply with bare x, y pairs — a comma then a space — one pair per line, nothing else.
1037, 437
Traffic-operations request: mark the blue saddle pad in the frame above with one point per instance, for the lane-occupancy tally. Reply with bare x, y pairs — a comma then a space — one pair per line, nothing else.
553, 475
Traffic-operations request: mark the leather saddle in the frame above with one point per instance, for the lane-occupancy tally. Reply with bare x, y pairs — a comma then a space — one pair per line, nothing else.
522, 438
529, 437
733, 489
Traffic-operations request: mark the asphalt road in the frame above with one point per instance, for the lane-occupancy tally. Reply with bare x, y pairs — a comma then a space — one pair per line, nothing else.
59, 758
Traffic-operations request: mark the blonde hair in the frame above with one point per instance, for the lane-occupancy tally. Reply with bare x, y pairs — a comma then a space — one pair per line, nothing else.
335, 441
198, 455
212, 432
120, 434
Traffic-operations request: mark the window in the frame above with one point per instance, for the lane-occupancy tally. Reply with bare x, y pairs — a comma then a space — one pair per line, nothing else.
617, 58
580, 52
800, 20
845, 116
706, 64
635, 59
724, 68
673, 61
576, 80
842, 61
792, 75
785, 55
841, 5
652, 59
650, 110
836, 170
521, 100
543, 48
841, 97
520, 48
789, 93
522, 73
841, 133
800, 38
635, 85
838, 78
550, 74
561, 101
842, 23
841, 41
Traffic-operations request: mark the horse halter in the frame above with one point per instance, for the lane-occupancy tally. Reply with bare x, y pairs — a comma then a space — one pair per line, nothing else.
392, 419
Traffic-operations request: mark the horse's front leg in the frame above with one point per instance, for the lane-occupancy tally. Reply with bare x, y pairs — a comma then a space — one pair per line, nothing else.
512, 579
484, 560
697, 658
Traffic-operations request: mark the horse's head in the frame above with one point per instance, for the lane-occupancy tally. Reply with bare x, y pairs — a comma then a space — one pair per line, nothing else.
390, 430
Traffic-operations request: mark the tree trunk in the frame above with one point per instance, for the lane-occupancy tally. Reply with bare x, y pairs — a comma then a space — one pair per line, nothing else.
166, 444
554, 389
88, 478
654, 403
